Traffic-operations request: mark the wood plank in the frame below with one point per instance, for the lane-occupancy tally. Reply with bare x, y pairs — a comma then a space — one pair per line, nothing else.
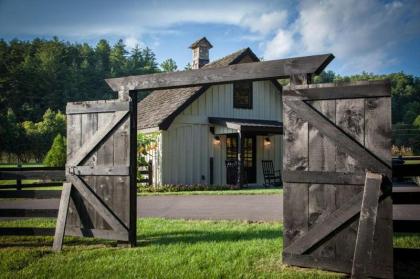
406, 226
30, 194
19, 169
321, 158
99, 206
100, 170
99, 136
296, 195
331, 223
74, 141
32, 185
85, 107
405, 197
406, 170
334, 91
121, 193
378, 135
132, 160
323, 177
18, 231
97, 233
20, 212
32, 174
350, 119
363, 156
378, 131
87, 214
295, 208
274, 69
105, 160
331, 264
62, 217
367, 222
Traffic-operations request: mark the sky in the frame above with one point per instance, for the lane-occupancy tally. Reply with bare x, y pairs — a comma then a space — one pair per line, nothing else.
364, 35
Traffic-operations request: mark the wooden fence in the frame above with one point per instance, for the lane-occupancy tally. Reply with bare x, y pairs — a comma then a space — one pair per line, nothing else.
145, 170
404, 193
47, 177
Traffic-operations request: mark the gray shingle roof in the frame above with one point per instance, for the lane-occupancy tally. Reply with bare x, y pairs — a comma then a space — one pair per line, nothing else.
160, 107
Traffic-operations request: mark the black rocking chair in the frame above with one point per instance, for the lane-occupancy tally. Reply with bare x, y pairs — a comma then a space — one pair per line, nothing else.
270, 177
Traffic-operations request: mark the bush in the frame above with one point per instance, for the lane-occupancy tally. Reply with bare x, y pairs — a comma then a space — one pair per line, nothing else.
182, 187
56, 156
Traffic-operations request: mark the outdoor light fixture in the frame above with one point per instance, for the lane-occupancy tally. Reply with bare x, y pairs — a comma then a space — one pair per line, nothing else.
216, 140
267, 141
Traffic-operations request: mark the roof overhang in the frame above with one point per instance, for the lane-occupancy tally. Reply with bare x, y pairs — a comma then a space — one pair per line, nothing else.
262, 127
264, 70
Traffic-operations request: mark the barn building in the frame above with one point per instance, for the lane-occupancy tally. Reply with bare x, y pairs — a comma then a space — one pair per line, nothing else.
198, 129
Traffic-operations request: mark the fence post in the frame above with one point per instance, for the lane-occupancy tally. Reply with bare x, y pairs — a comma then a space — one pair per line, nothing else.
150, 170
18, 179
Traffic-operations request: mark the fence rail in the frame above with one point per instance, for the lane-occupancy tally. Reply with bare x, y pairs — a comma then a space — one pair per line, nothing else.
409, 194
49, 176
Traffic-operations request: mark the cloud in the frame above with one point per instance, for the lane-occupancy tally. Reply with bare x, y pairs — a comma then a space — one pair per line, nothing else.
131, 42
362, 34
280, 45
265, 22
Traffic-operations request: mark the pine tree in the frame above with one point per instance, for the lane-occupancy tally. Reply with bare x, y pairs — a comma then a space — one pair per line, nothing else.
56, 156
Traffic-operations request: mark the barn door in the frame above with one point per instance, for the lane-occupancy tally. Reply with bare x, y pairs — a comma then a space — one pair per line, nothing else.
100, 191
333, 136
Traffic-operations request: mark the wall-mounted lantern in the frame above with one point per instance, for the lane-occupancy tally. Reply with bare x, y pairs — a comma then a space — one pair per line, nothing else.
216, 140
267, 141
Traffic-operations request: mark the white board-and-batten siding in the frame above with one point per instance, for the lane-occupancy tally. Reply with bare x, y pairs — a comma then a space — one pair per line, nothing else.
187, 145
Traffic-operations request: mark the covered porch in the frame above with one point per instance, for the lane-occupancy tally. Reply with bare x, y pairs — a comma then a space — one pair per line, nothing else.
247, 142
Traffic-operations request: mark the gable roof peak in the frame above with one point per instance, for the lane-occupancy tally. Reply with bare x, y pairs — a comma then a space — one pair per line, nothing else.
201, 42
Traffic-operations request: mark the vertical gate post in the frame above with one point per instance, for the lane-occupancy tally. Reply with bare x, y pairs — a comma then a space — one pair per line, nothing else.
133, 169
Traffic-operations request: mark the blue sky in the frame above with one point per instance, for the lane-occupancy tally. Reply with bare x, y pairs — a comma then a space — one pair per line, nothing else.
372, 35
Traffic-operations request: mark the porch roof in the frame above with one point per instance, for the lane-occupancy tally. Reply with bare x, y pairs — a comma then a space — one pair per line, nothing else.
262, 127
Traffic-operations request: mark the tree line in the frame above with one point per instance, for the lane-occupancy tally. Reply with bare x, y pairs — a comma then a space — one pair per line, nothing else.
38, 78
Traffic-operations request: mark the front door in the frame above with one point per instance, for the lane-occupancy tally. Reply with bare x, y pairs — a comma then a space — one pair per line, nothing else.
249, 154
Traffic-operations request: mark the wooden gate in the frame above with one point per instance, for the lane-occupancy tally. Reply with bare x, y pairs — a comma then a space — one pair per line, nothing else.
334, 136
99, 196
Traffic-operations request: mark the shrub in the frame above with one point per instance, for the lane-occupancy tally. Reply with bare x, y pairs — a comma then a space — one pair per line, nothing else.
56, 156
401, 151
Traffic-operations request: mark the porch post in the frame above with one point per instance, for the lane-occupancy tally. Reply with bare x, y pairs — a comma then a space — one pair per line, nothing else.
240, 159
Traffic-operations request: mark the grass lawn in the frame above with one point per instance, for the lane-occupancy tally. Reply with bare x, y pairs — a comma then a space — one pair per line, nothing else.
167, 249
263, 191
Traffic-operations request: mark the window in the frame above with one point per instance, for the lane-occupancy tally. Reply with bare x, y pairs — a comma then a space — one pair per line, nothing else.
231, 147
242, 94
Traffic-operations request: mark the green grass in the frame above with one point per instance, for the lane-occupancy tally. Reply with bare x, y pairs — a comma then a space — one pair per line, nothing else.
167, 249
217, 192
412, 162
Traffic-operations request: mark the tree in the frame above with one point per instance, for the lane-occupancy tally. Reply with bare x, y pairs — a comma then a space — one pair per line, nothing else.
118, 59
56, 156
169, 65
149, 61
416, 122
188, 67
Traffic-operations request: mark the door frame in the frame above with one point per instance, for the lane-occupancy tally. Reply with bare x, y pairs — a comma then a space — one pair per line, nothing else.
254, 154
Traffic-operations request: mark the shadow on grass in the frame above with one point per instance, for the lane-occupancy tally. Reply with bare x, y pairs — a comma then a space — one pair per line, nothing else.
197, 236
47, 242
